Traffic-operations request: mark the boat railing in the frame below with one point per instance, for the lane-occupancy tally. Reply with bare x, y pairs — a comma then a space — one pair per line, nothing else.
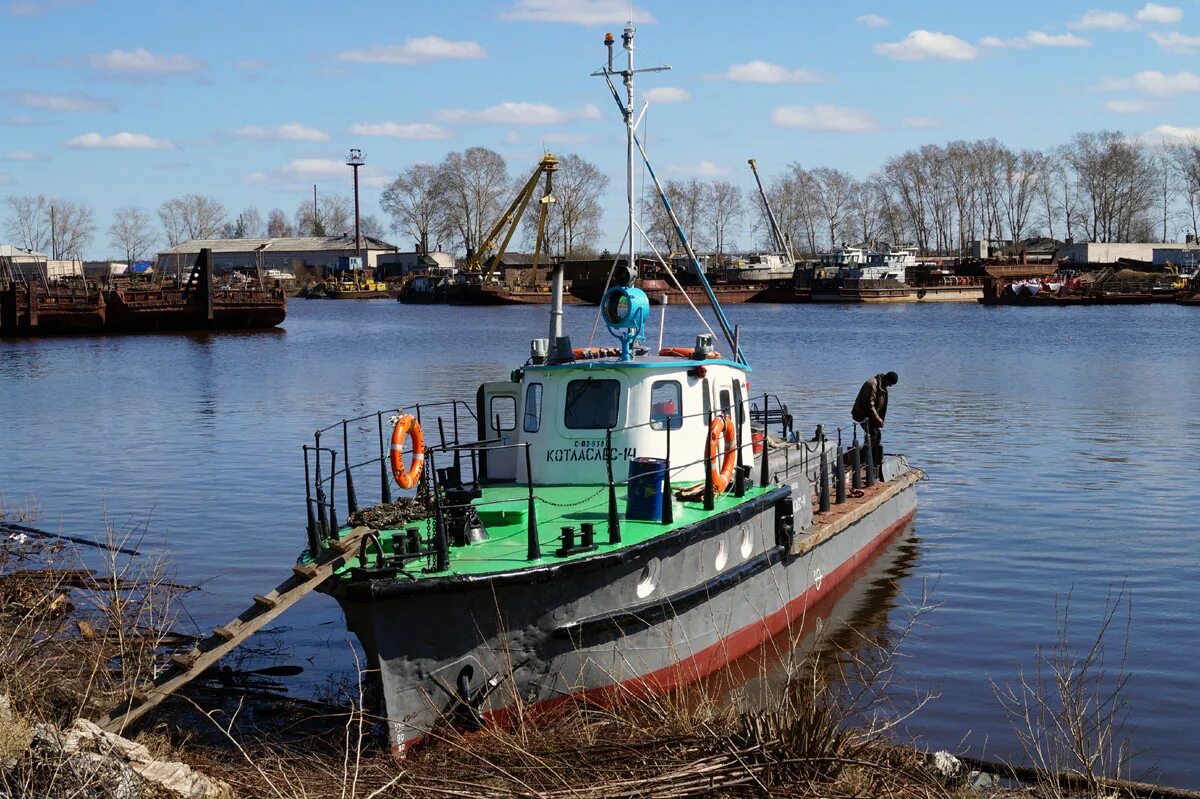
450, 487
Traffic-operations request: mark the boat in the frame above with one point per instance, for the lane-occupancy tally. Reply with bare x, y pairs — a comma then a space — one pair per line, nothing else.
824, 279
38, 308
895, 274
602, 522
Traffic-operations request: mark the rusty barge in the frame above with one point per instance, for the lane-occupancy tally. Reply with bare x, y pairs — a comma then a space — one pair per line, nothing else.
40, 307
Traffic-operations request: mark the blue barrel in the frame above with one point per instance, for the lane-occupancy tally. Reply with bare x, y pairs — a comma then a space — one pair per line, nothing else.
644, 494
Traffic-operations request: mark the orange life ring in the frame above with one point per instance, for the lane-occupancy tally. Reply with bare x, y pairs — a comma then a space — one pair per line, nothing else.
722, 428
407, 425
684, 352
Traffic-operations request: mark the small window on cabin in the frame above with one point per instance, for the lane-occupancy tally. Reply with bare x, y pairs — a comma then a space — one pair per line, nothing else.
726, 402
503, 413
592, 404
666, 405
533, 408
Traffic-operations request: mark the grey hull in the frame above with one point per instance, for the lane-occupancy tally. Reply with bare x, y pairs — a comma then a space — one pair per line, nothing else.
660, 615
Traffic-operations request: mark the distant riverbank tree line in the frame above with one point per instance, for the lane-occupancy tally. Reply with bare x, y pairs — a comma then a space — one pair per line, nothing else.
1101, 186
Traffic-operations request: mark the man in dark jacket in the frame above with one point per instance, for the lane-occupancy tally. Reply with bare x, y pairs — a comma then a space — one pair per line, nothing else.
870, 410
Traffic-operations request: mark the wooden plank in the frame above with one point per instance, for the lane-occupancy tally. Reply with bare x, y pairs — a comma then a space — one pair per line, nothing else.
229, 636
266, 601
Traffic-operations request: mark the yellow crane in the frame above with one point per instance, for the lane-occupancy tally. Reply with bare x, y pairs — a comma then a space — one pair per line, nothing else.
507, 224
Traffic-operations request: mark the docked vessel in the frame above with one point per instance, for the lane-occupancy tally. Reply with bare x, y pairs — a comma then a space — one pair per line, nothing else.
603, 521
37, 307
894, 274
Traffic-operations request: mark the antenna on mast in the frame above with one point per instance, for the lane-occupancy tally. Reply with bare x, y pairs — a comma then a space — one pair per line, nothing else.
626, 107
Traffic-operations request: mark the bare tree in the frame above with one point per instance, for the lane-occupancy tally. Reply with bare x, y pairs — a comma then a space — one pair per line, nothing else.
1022, 173
1115, 181
832, 195
131, 232
724, 210
865, 216
190, 217
249, 224
415, 204
28, 222
333, 216
473, 184
369, 225
73, 225
278, 225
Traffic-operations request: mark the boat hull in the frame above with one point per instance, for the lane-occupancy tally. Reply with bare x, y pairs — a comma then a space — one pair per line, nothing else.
593, 628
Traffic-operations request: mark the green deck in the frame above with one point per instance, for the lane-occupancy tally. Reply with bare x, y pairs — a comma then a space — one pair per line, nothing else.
503, 510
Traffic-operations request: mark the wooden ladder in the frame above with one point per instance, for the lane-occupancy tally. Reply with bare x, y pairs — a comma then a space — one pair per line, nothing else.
224, 639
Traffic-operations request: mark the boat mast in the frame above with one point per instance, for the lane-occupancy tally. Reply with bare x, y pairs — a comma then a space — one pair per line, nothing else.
779, 240
630, 123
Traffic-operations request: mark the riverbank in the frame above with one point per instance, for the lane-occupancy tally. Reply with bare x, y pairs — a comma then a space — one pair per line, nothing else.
83, 625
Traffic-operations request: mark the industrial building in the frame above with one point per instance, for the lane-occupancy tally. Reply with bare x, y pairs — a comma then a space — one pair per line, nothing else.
28, 264
294, 254
1092, 252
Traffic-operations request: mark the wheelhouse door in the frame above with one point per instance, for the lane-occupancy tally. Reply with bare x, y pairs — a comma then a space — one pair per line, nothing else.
497, 411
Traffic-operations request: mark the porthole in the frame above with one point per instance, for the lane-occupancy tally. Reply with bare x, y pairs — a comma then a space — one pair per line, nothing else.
747, 542
648, 580
722, 555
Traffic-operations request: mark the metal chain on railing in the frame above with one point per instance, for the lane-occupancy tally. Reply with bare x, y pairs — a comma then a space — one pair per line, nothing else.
597, 493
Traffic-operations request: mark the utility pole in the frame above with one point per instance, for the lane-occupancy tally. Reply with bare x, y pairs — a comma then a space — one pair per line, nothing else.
354, 161
315, 217
53, 236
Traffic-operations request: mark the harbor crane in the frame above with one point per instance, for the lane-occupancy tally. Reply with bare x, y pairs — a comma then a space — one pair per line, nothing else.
507, 224
780, 241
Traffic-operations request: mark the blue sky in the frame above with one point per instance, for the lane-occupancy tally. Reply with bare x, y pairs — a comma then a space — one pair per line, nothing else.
119, 103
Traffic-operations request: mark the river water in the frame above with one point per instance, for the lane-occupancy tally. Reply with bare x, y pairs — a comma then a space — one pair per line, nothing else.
1060, 446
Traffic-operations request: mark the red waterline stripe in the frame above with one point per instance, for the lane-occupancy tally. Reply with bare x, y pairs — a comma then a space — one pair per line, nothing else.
713, 657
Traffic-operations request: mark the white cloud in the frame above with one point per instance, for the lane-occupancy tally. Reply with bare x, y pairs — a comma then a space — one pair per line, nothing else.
1178, 43
69, 103
922, 45
872, 21
1103, 20
25, 155
119, 141
1172, 132
421, 50
291, 131
512, 137
1157, 14
315, 168
1036, 39
1155, 83
825, 117
766, 72
704, 169
921, 122
257, 177
667, 94
516, 113
253, 63
423, 131
142, 62
1131, 106
577, 12
20, 120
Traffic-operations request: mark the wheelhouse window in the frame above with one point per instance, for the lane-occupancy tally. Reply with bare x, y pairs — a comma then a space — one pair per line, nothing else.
666, 405
592, 404
533, 408
503, 411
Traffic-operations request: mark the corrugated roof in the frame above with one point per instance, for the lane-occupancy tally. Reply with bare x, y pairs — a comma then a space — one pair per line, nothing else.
295, 244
